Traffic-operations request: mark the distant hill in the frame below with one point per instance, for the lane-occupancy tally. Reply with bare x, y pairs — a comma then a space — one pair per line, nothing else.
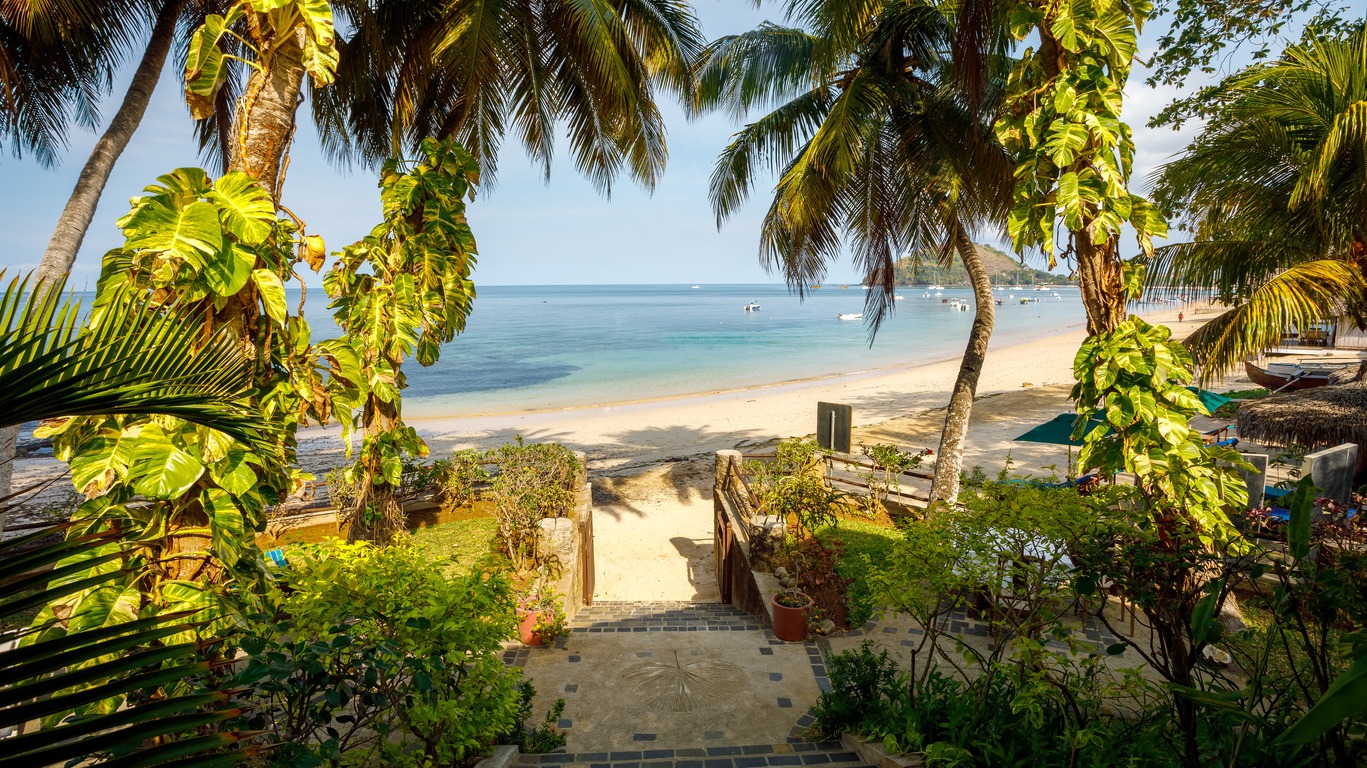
1003, 268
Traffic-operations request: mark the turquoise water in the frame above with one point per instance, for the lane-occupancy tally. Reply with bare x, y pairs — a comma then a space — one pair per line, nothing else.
531, 347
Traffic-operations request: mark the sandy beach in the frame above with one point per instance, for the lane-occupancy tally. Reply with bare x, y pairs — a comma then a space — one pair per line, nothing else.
650, 460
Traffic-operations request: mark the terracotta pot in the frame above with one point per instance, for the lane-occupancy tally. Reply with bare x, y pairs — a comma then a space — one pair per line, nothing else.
526, 627
790, 624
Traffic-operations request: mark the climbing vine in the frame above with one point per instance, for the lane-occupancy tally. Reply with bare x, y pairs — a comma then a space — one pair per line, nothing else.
1074, 154
188, 499
402, 291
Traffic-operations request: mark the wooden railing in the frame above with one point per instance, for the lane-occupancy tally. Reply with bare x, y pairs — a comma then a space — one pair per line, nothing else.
846, 476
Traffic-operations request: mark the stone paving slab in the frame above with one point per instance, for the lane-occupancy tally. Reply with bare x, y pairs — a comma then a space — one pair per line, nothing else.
826, 753
672, 676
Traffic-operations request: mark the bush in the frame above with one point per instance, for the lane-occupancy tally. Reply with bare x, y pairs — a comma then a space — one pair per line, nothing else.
533, 482
456, 485
380, 659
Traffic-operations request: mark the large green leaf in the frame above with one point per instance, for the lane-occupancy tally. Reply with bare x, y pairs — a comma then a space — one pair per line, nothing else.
246, 208
272, 294
104, 460
164, 471
160, 226
225, 525
1346, 697
228, 271
205, 65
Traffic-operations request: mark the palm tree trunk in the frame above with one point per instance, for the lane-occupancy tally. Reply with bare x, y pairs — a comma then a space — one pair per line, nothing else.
80, 207
1100, 276
265, 119
947, 466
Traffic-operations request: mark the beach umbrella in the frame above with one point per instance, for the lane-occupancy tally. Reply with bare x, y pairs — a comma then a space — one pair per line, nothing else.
1056, 431
1316, 418
1211, 400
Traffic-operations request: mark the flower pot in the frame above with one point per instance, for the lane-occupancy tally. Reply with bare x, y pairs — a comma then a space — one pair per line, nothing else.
526, 627
790, 624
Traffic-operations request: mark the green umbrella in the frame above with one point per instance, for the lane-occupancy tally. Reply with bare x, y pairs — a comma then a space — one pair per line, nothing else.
1211, 400
1057, 431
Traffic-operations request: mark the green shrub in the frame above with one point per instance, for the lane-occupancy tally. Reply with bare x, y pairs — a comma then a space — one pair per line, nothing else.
534, 481
545, 736
378, 658
461, 473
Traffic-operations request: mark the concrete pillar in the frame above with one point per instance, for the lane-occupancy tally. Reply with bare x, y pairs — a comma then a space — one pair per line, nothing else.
721, 467
1256, 478
1332, 470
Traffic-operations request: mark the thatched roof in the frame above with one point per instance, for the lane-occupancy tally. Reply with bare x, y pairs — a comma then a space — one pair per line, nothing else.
1315, 418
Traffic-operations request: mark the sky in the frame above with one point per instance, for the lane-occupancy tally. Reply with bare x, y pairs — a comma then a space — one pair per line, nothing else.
528, 232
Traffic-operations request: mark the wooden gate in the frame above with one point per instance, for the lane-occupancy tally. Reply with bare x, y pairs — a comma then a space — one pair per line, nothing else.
722, 542
586, 554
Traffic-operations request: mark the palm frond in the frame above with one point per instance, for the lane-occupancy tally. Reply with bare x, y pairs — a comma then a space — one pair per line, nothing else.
1297, 297
140, 361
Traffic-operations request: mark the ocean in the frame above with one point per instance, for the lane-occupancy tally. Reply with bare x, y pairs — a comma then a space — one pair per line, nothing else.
537, 347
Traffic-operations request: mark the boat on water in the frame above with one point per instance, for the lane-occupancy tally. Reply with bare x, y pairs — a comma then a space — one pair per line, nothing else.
1289, 377
898, 297
937, 287
696, 286
752, 306
851, 315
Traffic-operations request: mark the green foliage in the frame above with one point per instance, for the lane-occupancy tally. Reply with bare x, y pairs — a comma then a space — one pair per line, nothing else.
864, 551
1062, 122
189, 498
861, 680
461, 473
145, 362
542, 737
381, 658
1273, 189
206, 67
534, 481
459, 546
792, 486
98, 691
402, 291
1134, 379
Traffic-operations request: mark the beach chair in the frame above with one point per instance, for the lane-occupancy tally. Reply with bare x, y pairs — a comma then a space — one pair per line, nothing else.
1220, 436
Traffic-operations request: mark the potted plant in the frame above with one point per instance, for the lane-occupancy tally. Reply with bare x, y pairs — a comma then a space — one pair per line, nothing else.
540, 618
790, 615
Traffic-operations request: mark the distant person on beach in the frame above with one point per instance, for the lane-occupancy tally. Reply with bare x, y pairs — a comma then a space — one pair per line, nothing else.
1179, 317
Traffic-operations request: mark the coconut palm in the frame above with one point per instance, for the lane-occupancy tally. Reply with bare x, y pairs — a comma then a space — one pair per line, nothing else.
1275, 191
876, 148
475, 70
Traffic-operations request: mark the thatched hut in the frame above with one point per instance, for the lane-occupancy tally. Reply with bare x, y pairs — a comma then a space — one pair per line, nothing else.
1315, 418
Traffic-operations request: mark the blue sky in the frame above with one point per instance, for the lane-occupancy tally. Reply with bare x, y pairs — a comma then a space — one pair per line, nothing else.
528, 232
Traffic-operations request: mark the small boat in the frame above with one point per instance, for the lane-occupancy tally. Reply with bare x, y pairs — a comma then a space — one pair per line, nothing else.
851, 315
814, 287
898, 297
938, 293
1000, 302
844, 287
937, 287
1289, 377
963, 306
944, 301
752, 306
695, 286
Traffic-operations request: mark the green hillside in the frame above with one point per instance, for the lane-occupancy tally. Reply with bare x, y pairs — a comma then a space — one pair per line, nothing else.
1003, 268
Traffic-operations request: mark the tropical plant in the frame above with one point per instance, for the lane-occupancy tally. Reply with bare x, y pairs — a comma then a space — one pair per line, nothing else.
1073, 153
382, 659
109, 693
473, 71
402, 290
1275, 191
192, 496
533, 482
876, 147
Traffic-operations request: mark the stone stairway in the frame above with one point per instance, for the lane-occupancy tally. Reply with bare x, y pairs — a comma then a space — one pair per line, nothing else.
829, 754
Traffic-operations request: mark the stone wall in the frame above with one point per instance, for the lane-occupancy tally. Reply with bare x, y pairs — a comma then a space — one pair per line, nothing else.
563, 540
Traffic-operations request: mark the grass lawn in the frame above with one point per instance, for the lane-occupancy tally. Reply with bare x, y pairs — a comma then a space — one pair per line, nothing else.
866, 549
457, 546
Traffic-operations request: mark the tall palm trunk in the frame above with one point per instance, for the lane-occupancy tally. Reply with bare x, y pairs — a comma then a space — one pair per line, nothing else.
264, 125
951, 457
80, 207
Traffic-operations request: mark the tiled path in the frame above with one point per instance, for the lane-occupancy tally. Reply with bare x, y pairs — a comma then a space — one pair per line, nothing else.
829, 754
675, 676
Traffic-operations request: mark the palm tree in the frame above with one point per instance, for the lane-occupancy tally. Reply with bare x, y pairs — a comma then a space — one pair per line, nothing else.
1275, 190
876, 146
474, 70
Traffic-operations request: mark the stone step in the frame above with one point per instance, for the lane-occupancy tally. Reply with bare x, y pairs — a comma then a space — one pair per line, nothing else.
829, 754
622, 616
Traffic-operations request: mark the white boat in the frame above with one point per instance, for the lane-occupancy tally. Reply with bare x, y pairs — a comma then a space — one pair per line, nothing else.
695, 286
938, 293
937, 287
898, 297
752, 306
1041, 288
851, 315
